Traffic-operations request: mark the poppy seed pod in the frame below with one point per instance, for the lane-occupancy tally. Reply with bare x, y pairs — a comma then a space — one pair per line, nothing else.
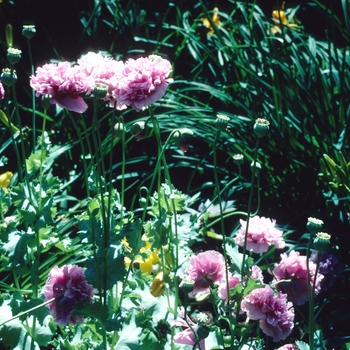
222, 122
28, 31
8, 78
13, 55
322, 241
238, 159
119, 130
314, 225
256, 168
261, 127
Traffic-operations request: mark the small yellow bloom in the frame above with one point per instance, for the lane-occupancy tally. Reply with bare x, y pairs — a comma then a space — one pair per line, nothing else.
279, 17
157, 287
215, 19
5, 179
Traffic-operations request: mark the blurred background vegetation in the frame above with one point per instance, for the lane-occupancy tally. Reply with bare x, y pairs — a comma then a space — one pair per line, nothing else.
246, 60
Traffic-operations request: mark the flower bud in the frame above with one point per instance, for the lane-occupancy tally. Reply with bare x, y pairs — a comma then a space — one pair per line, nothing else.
256, 168
139, 130
143, 202
182, 138
8, 78
222, 122
100, 90
28, 31
13, 55
261, 127
314, 225
45, 101
238, 159
202, 332
322, 241
119, 130
187, 286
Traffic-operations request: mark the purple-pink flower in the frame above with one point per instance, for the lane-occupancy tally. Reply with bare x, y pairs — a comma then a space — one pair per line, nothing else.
144, 81
68, 285
2, 92
262, 233
274, 312
222, 289
291, 277
64, 83
287, 347
205, 269
186, 337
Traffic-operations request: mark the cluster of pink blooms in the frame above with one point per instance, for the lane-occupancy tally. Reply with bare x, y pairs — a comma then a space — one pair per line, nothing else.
68, 285
274, 312
135, 83
187, 336
292, 272
262, 233
2, 92
208, 268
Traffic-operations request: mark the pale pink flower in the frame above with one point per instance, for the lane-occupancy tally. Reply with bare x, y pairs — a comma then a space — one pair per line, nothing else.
257, 273
292, 268
69, 286
222, 289
99, 69
64, 83
2, 92
144, 82
262, 233
205, 269
186, 337
287, 347
274, 312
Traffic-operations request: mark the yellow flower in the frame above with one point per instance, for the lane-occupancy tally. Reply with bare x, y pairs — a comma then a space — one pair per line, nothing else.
215, 20
280, 18
157, 287
145, 263
5, 179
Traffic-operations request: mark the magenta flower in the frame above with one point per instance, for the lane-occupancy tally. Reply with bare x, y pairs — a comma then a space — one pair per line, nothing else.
64, 83
222, 289
205, 269
186, 337
2, 92
144, 82
68, 285
262, 233
292, 268
274, 312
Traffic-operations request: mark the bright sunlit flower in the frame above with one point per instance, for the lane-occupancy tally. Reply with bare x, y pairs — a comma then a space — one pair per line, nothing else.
274, 312
205, 269
215, 20
143, 82
292, 272
157, 287
69, 286
64, 83
262, 233
5, 179
279, 17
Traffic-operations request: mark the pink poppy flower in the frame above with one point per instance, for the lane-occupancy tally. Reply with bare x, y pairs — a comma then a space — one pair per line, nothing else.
186, 337
222, 289
205, 269
292, 268
64, 83
144, 82
287, 347
274, 312
69, 286
2, 92
99, 69
262, 233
